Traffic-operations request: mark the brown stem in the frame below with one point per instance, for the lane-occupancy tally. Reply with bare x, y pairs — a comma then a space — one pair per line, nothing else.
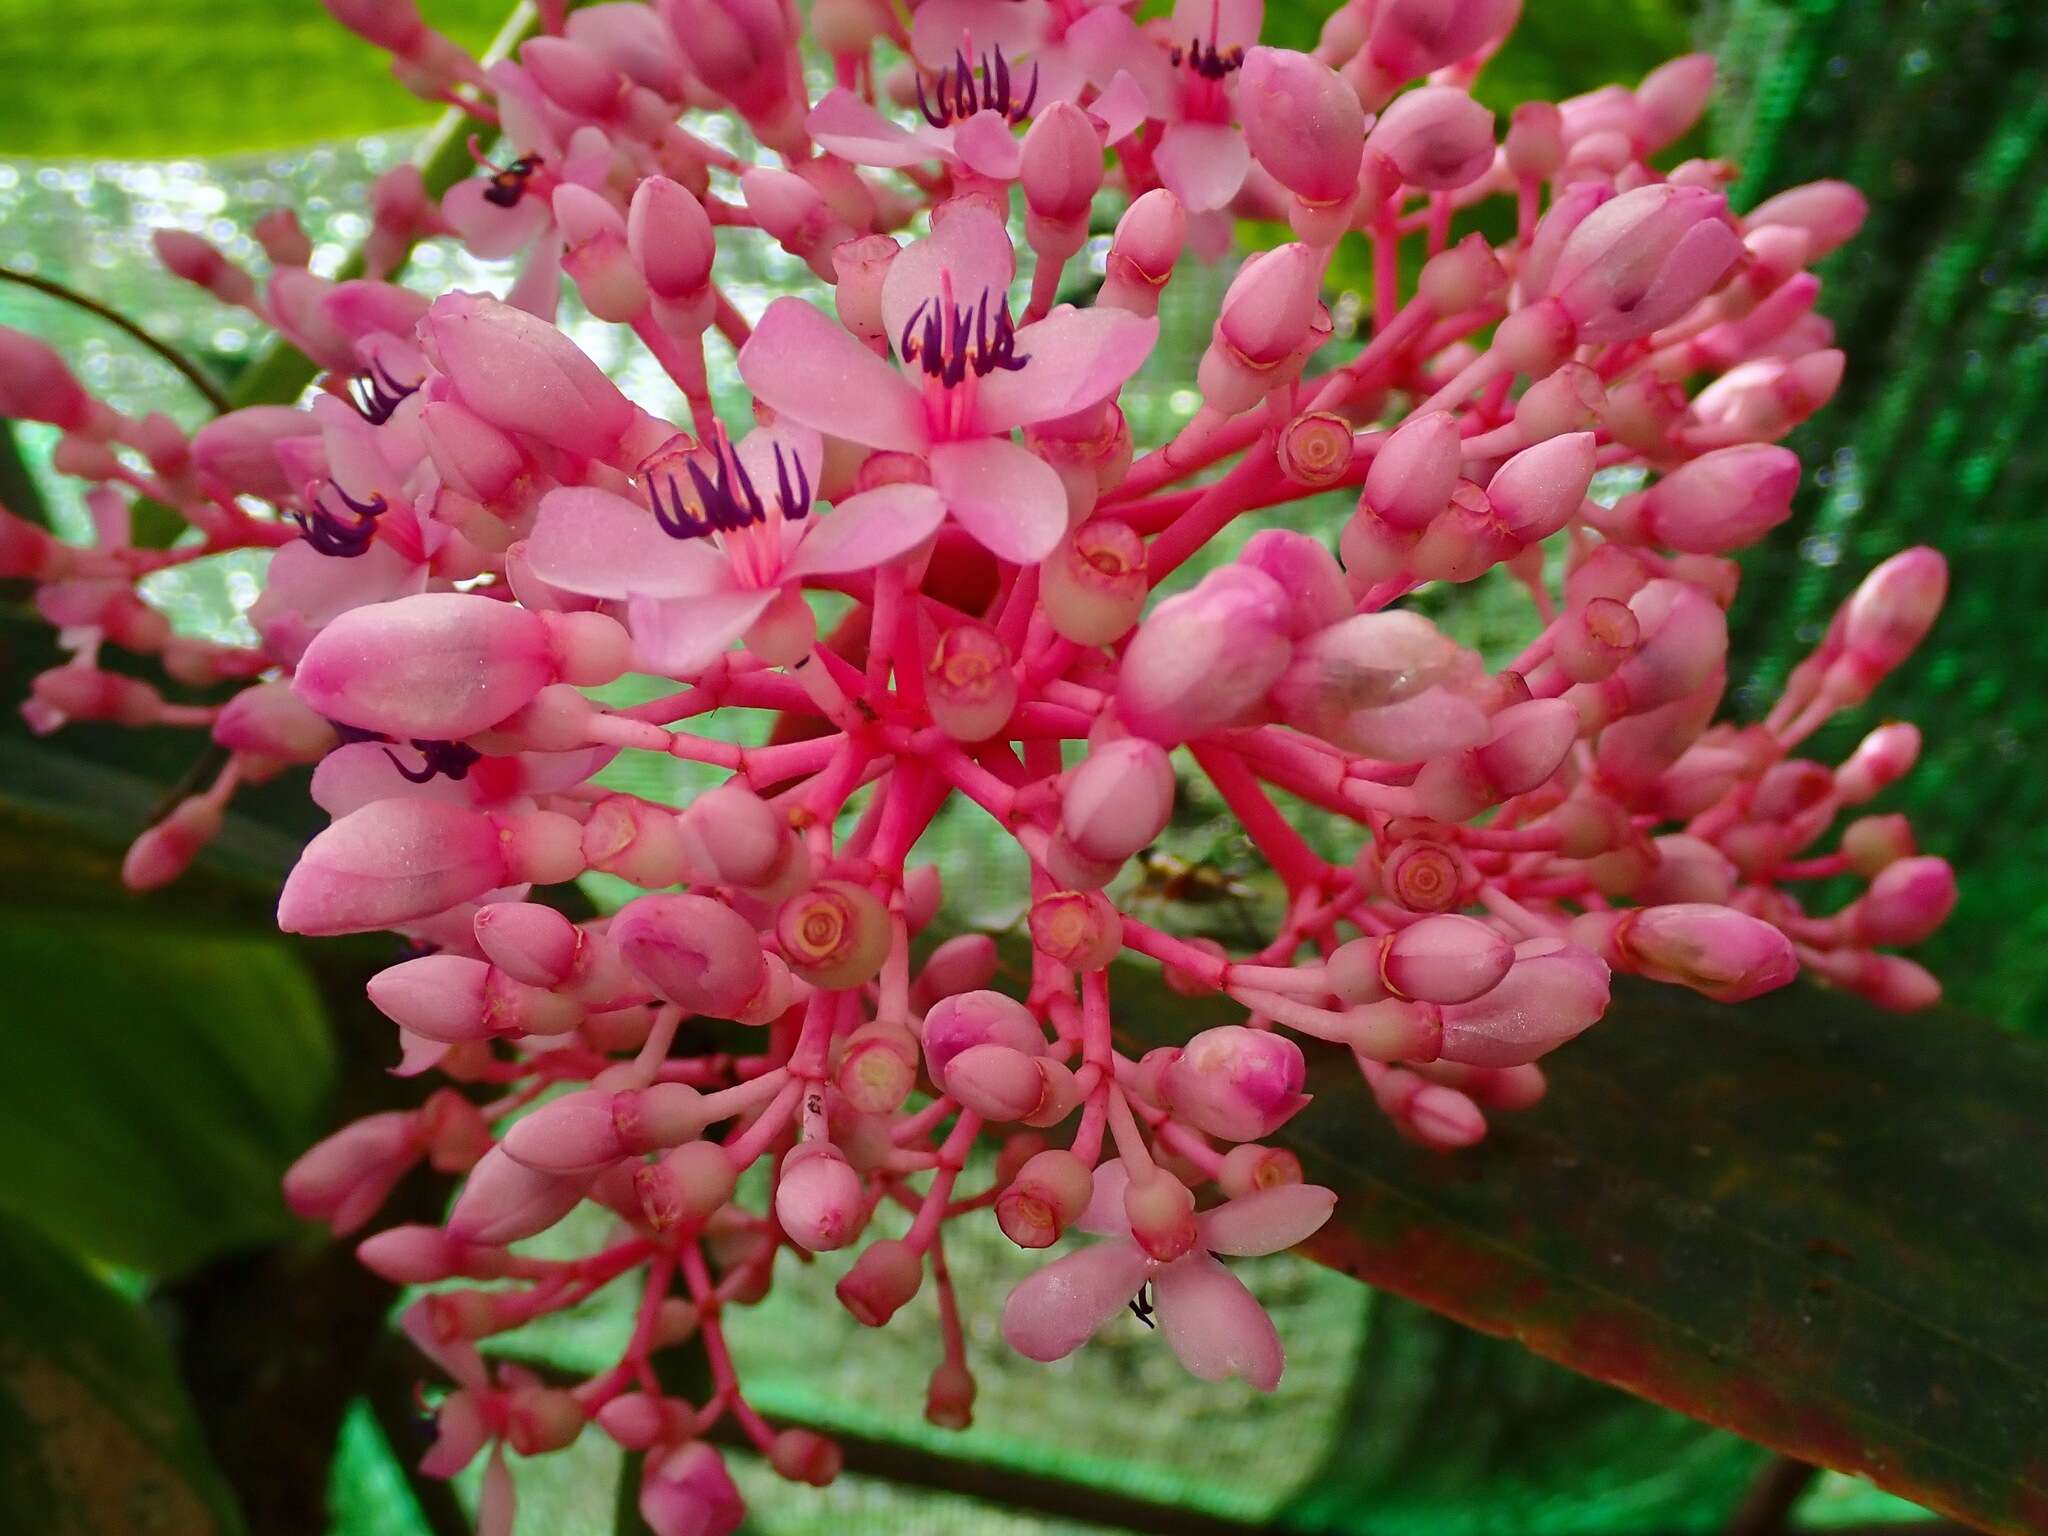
1767, 1507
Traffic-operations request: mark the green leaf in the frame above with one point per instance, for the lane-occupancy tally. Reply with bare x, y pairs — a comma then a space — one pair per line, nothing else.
96, 1435
1810, 1223
150, 79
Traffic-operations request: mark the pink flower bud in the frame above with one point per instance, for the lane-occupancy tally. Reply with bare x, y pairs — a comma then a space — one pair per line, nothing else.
1721, 501
964, 963
583, 1131
686, 1187
1438, 137
1685, 640
882, 1280
790, 210
740, 48
669, 235
1315, 449
343, 1179
1640, 261
970, 684
1248, 1169
1554, 991
1118, 800
453, 998
1447, 959
1161, 1213
1829, 213
1302, 123
268, 721
1890, 982
694, 951
239, 450
1527, 744
1880, 760
1871, 843
1716, 951
1062, 165
1892, 610
997, 1083
1270, 305
1594, 638
1306, 573
1078, 929
1414, 471
970, 1019
1466, 276
1093, 585
531, 943
688, 1492
1411, 38
1535, 143
1236, 1083
736, 838
1906, 903
1672, 96
835, 935
393, 25
1540, 489
504, 1201
1046, 1197
878, 1069
165, 851
805, 1456
1384, 685
521, 374
818, 1198
199, 262
1143, 251
36, 386
1204, 658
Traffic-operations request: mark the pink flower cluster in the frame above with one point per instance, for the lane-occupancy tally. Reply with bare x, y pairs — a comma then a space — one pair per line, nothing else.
473, 526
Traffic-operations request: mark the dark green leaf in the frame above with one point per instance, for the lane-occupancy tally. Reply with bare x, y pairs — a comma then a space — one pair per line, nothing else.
1807, 1222
96, 1435
18, 492
157, 78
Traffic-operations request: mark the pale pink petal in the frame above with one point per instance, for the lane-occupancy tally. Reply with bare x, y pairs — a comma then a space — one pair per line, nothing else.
988, 147
1214, 1325
1121, 109
802, 450
1107, 40
1267, 1220
1222, 24
459, 1434
538, 288
486, 230
590, 541
867, 530
940, 28
844, 125
1058, 72
457, 1358
1105, 1214
1051, 1313
417, 1053
1202, 164
1010, 500
802, 364
550, 773
681, 636
1074, 358
496, 1504
967, 246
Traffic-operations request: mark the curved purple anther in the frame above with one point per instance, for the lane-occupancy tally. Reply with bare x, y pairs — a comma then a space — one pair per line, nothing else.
331, 534
795, 503
1030, 95
452, 758
906, 344
674, 515
966, 101
995, 76
937, 119
375, 394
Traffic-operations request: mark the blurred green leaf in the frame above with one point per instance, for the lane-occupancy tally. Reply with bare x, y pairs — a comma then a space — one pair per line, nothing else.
1808, 1222
96, 1435
159, 78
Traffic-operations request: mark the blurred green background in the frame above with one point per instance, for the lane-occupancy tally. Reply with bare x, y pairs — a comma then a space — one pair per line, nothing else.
119, 116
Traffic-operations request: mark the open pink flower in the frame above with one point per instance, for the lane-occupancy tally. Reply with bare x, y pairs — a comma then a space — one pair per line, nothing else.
1067, 44
1212, 1323
1200, 154
967, 378
730, 531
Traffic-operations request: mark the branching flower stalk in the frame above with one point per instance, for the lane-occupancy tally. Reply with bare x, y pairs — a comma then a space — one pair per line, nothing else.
472, 526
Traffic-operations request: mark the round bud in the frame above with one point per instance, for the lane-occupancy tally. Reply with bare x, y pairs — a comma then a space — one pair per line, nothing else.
970, 684
835, 935
1093, 586
1078, 929
818, 1198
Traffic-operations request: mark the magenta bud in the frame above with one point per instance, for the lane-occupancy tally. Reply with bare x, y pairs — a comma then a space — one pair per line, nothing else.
970, 683
1205, 657
1303, 124
1236, 1083
1829, 212
198, 261
1062, 165
792, 213
1672, 96
1535, 143
1093, 585
1270, 305
343, 1179
696, 952
1413, 473
964, 963
1553, 991
1880, 760
818, 1198
583, 1131
422, 1255
1143, 251
1411, 38
734, 837
504, 1201
1118, 800
1078, 929
1049, 1194
1306, 573
532, 943
437, 666
238, 450
521, 374
1540, 489
1685, 640
884, 1277
1906, 903
572, 76
1722, 501
35, 385
1445, 959
995, 1082
688, 1492
1892, 610
1162, 1214
686, 1187
267, 721
966, 1020
1438, 137
1716, 951
439, 997
1640, 261
669, 235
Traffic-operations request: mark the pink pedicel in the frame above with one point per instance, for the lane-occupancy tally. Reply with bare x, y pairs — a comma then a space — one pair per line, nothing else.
916, 574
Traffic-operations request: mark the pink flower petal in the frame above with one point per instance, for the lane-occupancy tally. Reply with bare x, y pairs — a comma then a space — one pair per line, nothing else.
1052, 1313
1202, 164
988, 147
1222, 24
1267, 1220
1075, 358
1214, 1325
1105, 1214
1121, 108
844, 125
1106, 40
802, 449
801, 364
968, 245
459, 1358
590, 541
1010, 500
459, 1434
940, 28
486, 230
497, 1503
868, 530
681, 636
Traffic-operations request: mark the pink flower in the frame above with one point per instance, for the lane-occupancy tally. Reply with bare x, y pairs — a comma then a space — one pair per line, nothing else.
967, 378
1200, 154
1211, 1322
724, 540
